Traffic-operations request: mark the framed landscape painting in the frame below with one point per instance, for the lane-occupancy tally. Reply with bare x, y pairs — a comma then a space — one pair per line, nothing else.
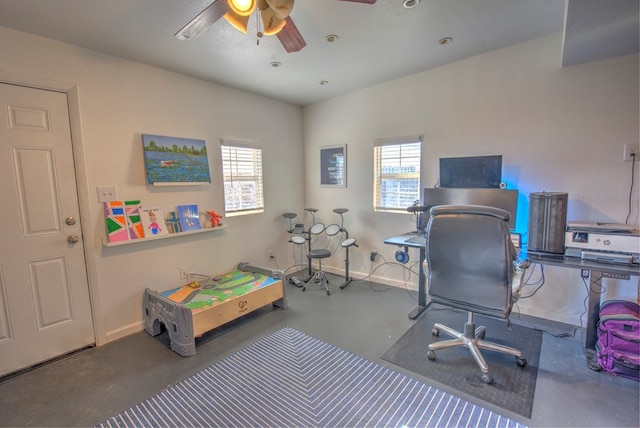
171, 161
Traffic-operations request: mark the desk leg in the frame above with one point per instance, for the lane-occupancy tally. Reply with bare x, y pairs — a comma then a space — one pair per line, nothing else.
593, 316
422, 288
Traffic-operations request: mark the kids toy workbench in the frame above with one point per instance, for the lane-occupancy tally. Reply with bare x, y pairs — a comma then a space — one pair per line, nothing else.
191, 310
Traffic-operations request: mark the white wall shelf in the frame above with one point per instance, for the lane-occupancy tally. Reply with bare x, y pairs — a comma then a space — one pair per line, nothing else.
170, 235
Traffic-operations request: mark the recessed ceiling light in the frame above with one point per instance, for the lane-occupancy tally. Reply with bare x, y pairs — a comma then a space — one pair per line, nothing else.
324, 82
410, 4
275, 64
445, 40
331, 38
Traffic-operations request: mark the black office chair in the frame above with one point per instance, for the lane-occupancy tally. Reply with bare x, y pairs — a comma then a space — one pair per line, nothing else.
471, 264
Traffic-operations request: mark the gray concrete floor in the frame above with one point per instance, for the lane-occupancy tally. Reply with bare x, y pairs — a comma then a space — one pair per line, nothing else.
86, 388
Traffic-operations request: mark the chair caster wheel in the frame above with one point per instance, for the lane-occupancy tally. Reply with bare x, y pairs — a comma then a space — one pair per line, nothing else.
482, 332
328, 293
431, 355
304, 288
487, 378
435, 332
522, 362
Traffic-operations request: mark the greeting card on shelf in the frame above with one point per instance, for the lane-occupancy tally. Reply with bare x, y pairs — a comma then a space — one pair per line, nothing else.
189, 217
116, 221
172, 222
153, 221
132, 211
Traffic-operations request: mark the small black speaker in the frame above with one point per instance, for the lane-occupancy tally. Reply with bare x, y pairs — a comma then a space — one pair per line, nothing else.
547, 222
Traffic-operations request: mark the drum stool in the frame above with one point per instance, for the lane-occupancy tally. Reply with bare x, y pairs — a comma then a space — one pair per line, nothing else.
319, 276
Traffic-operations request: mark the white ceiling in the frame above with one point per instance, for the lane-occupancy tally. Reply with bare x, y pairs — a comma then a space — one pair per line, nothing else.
377, 43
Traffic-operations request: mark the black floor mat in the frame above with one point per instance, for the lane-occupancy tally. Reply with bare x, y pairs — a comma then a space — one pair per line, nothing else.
513, 387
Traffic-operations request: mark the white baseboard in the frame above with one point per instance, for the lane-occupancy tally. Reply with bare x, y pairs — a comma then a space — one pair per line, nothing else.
571, 319
124, 331
410, 285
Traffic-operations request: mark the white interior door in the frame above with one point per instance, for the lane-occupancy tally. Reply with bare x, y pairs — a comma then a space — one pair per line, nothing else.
45, 309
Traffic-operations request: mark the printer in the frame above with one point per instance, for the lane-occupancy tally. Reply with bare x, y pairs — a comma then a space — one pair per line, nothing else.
603, 242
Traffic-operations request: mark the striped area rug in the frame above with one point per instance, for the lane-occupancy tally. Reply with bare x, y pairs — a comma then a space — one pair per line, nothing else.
289, 379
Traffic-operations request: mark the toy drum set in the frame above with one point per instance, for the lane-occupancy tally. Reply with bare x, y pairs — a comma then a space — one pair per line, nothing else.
300, 236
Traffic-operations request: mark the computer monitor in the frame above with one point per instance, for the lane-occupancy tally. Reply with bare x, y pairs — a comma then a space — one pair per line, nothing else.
471, 172
499, 198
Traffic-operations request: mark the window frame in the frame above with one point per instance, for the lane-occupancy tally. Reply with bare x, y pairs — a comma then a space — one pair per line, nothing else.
229, 163
379, 176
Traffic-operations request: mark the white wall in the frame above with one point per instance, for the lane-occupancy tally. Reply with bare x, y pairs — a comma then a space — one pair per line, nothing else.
558, 129
120, 99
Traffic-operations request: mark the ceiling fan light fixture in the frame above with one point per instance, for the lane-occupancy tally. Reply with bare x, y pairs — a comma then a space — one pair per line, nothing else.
242, 7
239, 22
282, 8
410, 4
272, 24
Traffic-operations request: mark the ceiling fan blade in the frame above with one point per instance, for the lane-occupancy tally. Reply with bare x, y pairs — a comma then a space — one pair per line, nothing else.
203, 21
361, 1
290, 37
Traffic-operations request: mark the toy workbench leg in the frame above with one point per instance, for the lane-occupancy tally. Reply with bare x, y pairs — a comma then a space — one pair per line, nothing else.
176, 318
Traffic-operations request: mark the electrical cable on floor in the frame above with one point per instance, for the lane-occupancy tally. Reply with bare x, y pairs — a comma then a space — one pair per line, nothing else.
540, 281
531, 272
588, 289
531, 325
295, 259
386, 263
300, 266
371, 272
587, 286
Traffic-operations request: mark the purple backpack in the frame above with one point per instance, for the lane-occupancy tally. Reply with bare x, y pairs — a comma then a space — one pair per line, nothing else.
618, 346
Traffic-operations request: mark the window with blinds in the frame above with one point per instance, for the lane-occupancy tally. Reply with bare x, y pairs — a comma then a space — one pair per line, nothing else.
396, 183
242, 170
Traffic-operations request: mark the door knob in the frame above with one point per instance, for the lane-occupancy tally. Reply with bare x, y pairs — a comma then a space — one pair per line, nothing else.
72, 239
70, 221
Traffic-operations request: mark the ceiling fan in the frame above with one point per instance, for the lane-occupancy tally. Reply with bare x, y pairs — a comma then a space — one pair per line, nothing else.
274, 15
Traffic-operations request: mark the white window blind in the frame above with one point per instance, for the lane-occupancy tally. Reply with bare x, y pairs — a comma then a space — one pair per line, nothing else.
242, 170
396, 182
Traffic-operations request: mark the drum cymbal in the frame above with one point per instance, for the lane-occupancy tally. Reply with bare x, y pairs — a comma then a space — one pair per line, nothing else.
348, 242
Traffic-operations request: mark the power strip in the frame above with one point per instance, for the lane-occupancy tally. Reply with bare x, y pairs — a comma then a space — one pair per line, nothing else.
294, 280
